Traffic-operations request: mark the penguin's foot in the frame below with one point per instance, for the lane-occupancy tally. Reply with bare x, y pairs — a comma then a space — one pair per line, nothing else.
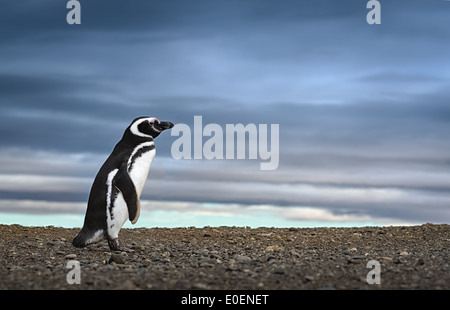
114, 245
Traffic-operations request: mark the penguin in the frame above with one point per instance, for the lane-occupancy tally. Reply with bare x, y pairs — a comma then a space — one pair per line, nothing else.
115, 193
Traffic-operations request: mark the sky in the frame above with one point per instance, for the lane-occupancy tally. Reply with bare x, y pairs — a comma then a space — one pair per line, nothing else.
363, 110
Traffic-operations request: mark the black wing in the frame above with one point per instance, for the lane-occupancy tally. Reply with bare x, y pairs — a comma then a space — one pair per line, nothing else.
122, 181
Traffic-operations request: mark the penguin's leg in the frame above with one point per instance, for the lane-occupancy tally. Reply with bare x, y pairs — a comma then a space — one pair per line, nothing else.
116, 216
114, 245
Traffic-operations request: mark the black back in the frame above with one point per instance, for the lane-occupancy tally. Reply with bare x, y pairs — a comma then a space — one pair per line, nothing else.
142, 129
96, 210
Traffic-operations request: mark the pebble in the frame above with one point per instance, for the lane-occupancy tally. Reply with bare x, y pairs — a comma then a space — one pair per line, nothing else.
359, 257
127, 285
70, 256
420, 262
201, 286
385, 258
207, 262
257, 258
242, 258
116, 258
309, 278
273, 248
279, 271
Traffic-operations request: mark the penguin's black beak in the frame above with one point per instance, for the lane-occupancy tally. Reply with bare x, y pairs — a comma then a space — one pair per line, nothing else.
163, 125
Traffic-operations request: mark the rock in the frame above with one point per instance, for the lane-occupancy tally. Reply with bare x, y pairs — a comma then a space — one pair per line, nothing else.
258, 258
242, 258
270, 257
138, 247
328, 287
309, 278
70, 256
201, 286
207, 262
385, 258
116, 258
420, 262
279, 271
273, 248
127, 285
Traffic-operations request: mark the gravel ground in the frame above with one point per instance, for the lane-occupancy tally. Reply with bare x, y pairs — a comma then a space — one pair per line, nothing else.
415, 257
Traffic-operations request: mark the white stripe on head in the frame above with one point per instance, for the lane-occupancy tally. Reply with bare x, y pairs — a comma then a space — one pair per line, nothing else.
134, 127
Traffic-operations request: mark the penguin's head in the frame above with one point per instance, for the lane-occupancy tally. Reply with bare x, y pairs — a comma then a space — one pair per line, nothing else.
148, 127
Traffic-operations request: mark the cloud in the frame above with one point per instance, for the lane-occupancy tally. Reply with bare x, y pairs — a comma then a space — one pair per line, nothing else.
156, 212
253, 51
349, 158
363, 111
326, 216
347, 196
291, 214
41, 207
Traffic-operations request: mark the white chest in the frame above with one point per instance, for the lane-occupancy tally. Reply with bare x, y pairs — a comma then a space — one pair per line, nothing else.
139, 164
